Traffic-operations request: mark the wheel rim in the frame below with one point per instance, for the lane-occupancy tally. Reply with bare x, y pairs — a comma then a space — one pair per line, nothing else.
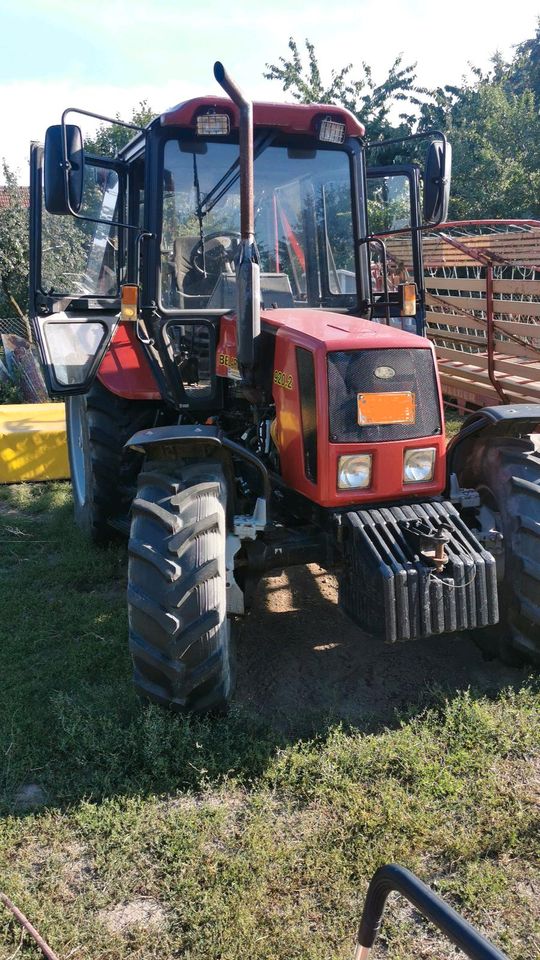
76, 444
491, 515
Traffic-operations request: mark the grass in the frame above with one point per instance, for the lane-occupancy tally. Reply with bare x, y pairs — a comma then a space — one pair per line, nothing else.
453, 423
226, 838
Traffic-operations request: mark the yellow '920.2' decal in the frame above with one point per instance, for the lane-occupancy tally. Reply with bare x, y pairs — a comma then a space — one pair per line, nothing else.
282, 379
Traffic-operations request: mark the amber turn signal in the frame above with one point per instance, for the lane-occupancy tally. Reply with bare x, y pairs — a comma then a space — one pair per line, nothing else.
407, 299
130, 302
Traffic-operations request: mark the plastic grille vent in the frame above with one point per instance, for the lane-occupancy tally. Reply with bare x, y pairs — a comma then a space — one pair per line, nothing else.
351, 372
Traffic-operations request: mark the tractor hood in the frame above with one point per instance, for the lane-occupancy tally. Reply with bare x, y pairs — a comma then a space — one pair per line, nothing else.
339, 331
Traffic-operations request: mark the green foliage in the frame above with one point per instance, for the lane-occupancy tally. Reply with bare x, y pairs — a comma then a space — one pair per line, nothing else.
492, 121
524, 72
13, 248
493, 124
10, 392
372, 102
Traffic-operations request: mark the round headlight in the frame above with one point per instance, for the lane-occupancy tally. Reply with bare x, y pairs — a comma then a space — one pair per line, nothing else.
419, 465
354, 471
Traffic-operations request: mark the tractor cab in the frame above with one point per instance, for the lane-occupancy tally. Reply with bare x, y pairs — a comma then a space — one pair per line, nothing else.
165, 217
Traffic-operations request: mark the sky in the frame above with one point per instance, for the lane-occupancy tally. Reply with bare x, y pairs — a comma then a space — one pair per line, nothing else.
108, 55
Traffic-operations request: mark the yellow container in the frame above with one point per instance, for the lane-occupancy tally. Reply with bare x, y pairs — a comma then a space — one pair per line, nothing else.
33, 442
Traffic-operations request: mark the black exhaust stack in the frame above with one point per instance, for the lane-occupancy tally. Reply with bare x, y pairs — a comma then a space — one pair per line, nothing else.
248, 280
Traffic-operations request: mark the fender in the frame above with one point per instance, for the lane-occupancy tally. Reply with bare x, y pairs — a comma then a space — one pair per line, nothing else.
198, 441
502, 421
125, 369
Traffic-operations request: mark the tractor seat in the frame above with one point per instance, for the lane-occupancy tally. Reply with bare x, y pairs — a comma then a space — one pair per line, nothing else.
275, 291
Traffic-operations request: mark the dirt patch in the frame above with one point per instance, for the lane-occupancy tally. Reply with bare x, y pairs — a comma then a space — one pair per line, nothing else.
127, 916
79, 869
300, 658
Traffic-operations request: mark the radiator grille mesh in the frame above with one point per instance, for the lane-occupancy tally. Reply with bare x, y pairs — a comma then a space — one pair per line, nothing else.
351, 372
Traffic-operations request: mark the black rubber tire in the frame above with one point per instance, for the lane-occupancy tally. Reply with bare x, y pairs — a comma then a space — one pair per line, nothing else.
179, 634
103, 475
506, 472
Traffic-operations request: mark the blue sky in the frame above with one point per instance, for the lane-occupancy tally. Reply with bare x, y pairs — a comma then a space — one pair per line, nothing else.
107, 55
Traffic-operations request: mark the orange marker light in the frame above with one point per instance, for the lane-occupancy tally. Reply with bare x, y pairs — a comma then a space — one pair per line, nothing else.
407, 293
130, 302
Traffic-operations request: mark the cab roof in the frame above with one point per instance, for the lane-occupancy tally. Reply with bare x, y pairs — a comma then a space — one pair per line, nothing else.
287, 117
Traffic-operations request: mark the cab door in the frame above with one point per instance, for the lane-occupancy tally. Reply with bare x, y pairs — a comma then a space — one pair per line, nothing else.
76, 269
393, 194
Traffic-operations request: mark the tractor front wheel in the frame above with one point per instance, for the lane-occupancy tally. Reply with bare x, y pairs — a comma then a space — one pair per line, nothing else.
179, 634
506, 473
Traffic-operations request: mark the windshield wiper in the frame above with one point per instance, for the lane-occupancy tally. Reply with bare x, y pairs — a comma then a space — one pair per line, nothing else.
232, 175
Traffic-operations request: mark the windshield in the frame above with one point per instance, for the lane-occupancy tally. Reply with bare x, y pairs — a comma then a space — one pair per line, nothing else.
303, 225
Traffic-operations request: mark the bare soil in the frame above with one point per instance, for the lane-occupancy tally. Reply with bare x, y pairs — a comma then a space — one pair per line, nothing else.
125, 917
300, 658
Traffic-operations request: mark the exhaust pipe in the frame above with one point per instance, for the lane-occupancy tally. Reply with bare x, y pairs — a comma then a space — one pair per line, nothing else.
248, 279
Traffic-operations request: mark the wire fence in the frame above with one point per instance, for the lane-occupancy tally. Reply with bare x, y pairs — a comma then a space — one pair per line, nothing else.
20, 326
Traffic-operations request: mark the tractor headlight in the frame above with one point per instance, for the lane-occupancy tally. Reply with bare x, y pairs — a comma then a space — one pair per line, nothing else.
354, 471
419, 465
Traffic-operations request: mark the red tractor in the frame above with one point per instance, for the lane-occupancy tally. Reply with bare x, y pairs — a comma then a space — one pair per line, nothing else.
249, 387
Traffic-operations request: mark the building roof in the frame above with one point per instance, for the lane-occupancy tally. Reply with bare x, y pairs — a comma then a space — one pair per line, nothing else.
6, 196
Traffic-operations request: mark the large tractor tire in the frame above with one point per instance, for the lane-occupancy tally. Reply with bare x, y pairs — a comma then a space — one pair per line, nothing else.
506, 473
103, 475
179, 634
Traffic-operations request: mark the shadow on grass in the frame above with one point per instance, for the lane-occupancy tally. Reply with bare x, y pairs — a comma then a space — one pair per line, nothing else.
70, 722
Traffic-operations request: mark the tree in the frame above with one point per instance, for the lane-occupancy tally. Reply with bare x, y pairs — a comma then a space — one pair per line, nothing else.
13, 247
371, 102
524, 73
493, 125
492, 121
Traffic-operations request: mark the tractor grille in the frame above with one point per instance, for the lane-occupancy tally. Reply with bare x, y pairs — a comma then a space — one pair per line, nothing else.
351, 372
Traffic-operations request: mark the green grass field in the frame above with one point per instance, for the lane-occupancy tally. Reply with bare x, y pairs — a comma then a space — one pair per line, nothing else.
163, 837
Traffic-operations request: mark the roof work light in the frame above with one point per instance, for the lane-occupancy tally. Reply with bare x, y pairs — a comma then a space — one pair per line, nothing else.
213, 124
331, 131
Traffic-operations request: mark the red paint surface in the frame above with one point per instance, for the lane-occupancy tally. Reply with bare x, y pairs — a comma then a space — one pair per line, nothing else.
320, 333
289, 117
226, 346
337, 331
125, 370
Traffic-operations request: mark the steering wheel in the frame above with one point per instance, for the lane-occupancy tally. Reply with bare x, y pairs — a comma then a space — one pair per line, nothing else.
219, 249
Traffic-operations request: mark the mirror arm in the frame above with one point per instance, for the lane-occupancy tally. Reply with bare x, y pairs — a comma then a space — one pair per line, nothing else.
99, 116
66, 165
434, 134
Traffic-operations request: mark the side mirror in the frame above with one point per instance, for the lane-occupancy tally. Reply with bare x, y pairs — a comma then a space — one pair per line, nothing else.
437, 176
63, 194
